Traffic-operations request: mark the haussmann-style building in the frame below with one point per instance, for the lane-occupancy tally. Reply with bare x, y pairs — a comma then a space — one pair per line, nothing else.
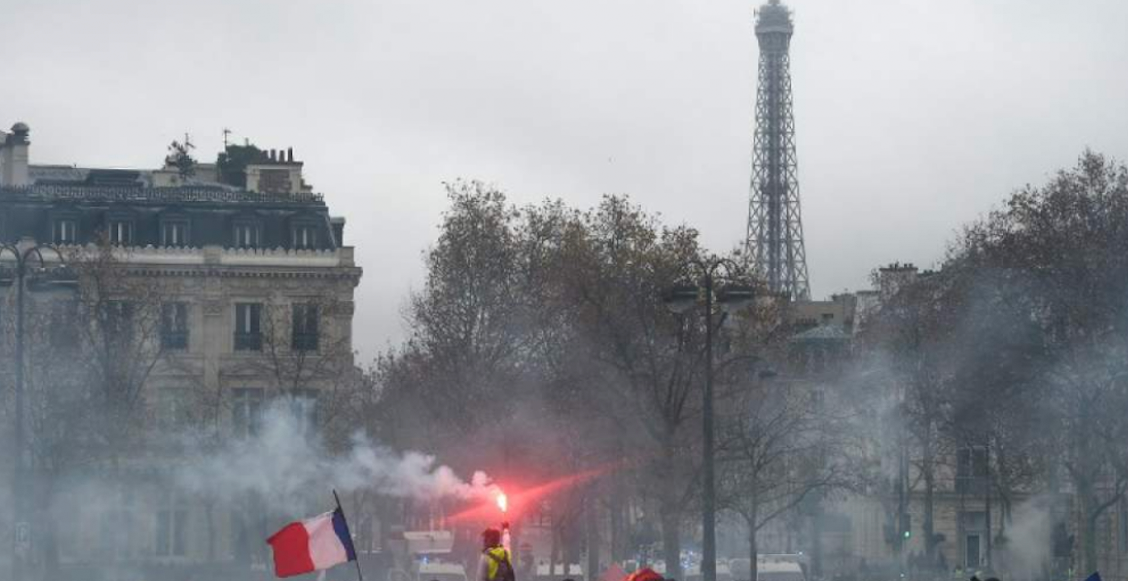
250, 280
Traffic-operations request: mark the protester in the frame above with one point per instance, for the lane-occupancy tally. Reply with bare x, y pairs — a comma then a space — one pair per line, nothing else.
495, 563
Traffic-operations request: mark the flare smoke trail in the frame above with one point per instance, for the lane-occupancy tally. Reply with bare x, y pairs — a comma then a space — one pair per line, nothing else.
283, 464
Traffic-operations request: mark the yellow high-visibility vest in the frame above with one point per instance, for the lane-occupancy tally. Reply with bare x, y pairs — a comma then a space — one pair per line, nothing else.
500, 553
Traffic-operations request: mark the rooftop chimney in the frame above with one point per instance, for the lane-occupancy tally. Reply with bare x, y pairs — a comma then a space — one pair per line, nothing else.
893, 278
338, 224
14, 157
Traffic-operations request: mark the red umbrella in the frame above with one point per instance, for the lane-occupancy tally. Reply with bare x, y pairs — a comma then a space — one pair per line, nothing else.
645, 574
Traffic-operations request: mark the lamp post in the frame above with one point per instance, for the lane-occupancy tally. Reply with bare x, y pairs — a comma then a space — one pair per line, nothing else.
680, 300
26, 253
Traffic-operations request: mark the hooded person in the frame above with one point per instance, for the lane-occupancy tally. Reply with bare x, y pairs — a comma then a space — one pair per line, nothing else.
495, 563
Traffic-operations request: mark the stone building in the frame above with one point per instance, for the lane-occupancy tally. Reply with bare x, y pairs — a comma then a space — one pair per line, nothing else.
879, 530
255, 284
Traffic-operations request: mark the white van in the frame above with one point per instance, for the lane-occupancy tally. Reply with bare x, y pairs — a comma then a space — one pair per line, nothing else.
779, 571
771, 568
693, 572
441, 572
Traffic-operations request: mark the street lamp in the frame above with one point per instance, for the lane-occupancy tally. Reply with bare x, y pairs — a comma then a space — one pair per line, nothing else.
26, 253
680, 300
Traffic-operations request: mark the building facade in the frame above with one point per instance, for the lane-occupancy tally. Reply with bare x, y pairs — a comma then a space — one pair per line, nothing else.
878, 528
243, 293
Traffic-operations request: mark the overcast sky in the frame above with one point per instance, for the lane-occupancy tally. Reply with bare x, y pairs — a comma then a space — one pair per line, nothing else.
912, 116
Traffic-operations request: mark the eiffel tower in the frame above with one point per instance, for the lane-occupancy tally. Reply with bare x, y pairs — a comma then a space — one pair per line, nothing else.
775, 227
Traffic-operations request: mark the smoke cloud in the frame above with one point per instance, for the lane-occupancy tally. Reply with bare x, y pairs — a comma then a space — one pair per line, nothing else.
1028, 539
283, 463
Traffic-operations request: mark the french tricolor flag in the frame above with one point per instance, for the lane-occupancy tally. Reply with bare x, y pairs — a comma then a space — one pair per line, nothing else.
312, 545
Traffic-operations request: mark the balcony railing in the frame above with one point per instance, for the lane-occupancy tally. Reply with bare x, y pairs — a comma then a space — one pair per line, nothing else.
147, 194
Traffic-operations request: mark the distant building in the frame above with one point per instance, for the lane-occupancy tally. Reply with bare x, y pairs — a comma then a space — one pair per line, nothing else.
254, 276
880, 529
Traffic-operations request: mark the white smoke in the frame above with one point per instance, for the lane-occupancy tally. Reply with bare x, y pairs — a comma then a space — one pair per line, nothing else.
283, 464
1028, 540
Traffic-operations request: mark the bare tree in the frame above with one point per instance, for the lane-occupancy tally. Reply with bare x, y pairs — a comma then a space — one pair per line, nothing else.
90, 346
780, 448
1060, 251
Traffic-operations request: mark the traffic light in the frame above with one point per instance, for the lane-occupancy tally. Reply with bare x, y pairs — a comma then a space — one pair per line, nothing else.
906, 526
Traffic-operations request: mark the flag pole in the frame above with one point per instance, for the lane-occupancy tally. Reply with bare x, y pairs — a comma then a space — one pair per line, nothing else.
359, 575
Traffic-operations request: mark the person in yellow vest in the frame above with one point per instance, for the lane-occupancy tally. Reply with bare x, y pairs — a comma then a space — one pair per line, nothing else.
495, 563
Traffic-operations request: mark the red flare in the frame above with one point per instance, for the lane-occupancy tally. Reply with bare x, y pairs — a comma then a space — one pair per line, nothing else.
526, 497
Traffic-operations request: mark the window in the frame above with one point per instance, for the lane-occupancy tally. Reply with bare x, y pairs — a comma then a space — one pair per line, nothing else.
973, 545
173, 410
121, 232
172, 516
304, 327
246, 412
246, 235
971, 470
174, 326
174, 233
64, 231
973, 520
248, 336
305, 236
303, 407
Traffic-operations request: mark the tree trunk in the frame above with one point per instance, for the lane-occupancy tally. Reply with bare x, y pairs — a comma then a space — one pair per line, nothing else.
554, 550
929, 525
616, 531
753, 552
1090, 545
671, 513
572, 541
618, 537
816, 549
591, 530
671, 541
50, 546
1086, 499
987, 509
929, 522
209, 518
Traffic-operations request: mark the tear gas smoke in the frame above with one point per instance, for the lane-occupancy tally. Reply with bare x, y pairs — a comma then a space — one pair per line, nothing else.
1028, 539
282, 463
